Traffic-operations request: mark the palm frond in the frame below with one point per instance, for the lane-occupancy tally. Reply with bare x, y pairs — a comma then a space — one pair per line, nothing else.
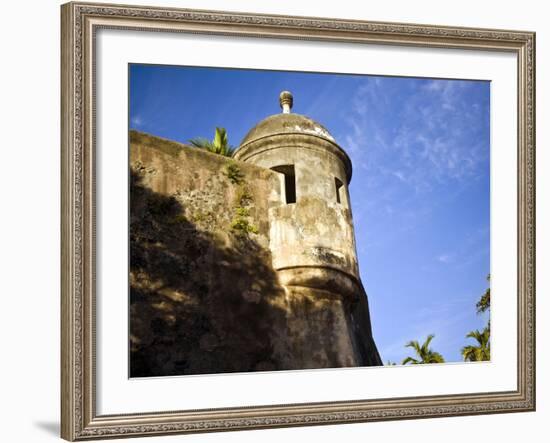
220, 137
200, 142
435, 357
484, 303
413, 344
426, 344
411, 360
481, 352
475, 335
219, 145
469, 353
425, 354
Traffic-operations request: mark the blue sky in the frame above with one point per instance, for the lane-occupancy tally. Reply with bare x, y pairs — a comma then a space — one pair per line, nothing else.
420, 186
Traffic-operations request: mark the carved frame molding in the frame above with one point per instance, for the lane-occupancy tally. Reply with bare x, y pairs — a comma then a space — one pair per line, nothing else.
79, 24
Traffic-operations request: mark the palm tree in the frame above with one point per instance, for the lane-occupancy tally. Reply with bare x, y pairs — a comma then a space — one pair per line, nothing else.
484, 302
425, 354
481, 352
218, 146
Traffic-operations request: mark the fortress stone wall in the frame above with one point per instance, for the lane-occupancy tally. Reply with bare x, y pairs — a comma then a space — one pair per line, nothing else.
227, 276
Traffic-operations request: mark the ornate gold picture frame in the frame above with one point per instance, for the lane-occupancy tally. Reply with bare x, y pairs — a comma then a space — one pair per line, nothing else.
80, 23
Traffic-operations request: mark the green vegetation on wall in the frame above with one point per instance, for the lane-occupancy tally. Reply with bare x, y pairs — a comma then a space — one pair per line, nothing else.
234, 174
242, 220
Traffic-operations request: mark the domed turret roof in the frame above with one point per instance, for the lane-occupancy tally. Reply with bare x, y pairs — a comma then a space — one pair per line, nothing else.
286, 123
289, 130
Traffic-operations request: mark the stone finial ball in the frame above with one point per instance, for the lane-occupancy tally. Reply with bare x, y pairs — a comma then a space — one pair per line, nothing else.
285, 98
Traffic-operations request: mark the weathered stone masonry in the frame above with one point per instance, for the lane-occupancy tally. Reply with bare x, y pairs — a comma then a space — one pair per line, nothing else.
248, 263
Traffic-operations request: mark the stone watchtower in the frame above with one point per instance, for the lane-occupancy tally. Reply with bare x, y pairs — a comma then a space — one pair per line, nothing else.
312, 240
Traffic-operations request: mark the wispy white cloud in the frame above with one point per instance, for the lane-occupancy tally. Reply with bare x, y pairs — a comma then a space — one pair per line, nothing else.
137, 121
399, 175
430, 137
433, 140
445, 258
414, 164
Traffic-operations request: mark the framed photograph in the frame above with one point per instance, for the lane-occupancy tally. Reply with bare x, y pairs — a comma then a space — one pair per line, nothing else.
277, 221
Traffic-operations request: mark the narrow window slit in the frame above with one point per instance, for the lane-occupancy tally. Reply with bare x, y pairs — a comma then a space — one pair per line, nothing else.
289, 182
339, 190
